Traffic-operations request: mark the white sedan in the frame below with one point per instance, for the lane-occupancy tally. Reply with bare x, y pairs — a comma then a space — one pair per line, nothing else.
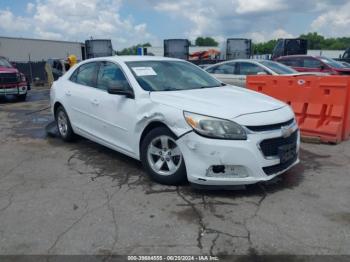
235, 72
182, 123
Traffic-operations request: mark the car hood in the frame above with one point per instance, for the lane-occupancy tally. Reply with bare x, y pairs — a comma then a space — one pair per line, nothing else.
224, 102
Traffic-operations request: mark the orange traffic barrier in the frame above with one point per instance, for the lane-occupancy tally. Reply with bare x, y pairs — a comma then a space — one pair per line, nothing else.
320, 103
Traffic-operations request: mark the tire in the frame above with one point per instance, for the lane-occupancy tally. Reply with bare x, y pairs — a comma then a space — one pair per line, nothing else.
63, 125
22, 97
162, 160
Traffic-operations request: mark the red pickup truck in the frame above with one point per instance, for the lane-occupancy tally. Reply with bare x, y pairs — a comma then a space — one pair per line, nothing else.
12, 82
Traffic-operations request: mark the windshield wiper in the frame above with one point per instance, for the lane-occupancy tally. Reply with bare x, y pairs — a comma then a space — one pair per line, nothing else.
166, 89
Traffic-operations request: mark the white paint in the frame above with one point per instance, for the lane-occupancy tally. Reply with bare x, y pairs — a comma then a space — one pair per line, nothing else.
118, 122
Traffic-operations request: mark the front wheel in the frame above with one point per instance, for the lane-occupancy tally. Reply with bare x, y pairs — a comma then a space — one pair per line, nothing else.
63, 125
162, 158
22, 97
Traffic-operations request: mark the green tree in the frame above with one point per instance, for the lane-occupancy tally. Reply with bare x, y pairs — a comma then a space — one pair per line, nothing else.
264, 48
315, 40
206, 41
133, 49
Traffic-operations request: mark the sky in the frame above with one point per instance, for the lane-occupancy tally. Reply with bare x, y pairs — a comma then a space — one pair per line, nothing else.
129, 22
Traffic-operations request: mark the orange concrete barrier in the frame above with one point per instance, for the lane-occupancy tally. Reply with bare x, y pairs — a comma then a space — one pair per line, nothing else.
320, 103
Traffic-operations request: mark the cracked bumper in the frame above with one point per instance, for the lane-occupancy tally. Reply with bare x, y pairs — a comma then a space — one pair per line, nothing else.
201, 153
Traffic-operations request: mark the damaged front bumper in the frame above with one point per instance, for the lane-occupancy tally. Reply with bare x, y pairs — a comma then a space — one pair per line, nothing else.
215, 162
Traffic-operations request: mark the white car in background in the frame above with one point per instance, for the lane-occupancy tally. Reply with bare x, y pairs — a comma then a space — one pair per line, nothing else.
182, 123
235, 72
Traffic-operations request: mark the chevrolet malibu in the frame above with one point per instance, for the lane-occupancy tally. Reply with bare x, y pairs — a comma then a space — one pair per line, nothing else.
179, 121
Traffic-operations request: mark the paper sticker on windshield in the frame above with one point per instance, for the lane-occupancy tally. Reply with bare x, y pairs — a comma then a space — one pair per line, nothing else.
144, 71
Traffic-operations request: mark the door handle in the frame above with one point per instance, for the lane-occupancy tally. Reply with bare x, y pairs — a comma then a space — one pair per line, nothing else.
95, 102
68, 93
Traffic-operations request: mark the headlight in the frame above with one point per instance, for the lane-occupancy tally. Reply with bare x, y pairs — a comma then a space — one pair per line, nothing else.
23, 78
215, 127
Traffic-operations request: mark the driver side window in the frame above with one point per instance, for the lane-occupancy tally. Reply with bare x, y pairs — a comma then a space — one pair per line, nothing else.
312, 63
110, 75
226, 69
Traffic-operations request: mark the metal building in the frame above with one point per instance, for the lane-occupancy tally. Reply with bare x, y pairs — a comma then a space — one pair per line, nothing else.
27, 49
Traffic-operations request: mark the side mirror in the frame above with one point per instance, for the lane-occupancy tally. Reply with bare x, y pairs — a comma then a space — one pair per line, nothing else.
322, 67
13, 64
120, 90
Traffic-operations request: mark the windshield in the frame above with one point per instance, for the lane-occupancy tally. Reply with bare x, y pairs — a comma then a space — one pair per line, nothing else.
4, 62
170, 76
331, 62
278, 68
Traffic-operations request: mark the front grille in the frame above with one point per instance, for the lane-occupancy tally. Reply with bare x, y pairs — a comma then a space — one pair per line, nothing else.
270, 127
269, 147
270, 170
8, 78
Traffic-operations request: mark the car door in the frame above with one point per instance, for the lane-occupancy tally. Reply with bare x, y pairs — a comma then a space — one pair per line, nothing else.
294, 62
116, 114
243, 69
81, 97
311, 64
225, 73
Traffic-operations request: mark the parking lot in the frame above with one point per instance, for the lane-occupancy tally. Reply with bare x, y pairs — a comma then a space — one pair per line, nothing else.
82, 198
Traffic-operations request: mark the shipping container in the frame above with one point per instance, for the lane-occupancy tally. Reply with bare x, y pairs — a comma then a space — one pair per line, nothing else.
238, 48
176, 48
98, 48
27, 49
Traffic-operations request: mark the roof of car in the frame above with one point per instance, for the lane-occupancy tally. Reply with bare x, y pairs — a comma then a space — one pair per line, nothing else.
130, 58
240, 60
296, 56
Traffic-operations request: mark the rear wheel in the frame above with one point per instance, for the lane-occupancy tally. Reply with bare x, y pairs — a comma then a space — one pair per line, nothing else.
63, 124
162, 158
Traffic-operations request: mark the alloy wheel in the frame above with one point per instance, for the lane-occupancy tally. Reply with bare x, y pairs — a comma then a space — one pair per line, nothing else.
62, 122
164, 155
